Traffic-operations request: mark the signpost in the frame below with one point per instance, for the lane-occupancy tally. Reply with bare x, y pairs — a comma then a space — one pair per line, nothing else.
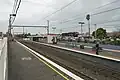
88, 18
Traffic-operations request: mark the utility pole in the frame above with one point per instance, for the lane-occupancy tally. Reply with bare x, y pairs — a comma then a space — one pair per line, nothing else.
81, 28
89, 28
26, 31
23, 31
48, 23
95, 31
13, 33
10, 24
9, 28
60, 31
54, 28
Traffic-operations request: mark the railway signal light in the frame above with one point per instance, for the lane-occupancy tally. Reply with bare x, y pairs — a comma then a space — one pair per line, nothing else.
88, 17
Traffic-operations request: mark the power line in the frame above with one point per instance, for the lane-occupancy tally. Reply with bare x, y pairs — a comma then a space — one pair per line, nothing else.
105, 11
109, 21
17, 7
93, 24
60, 9
112, 25
100, 7
14, 6
106, 4
65, 21
68, 27
70, 20
94, 14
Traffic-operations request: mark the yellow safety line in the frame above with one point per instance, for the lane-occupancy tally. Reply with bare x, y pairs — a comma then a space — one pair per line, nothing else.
49, 65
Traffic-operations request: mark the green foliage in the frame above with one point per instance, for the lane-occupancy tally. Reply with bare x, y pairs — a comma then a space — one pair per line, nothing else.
100, 33
116, 42
93, 34
28, 34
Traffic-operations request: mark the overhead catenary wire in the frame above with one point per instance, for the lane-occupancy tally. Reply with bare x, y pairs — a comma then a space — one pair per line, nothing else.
105, 11
92, 15
60, 9
109, 21
69, 20
105, 5
16, 10
112, 25
71, 3
94, 9
78, 15
18, 6
95, 23
14, 6
101, 13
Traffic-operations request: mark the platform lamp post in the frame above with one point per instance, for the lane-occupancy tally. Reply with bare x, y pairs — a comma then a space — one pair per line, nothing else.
81, 23
95, 31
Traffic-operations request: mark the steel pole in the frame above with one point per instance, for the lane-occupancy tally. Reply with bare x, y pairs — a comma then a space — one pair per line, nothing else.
81, 30
9, 28
95, 31
89, 27
48, 23
60, 31
23, 31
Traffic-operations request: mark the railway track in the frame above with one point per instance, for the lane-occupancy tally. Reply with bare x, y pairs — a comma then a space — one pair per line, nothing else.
82, 67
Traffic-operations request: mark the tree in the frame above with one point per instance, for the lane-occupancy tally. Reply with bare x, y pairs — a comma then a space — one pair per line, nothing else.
29, 34
118, 32
36, 34
100, 33
93, 34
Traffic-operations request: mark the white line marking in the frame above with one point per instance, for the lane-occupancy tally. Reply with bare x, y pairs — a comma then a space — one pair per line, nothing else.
54, 64
111, 50
79, 51
88, 47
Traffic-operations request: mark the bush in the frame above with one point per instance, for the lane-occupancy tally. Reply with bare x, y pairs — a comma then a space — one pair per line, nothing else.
116, 42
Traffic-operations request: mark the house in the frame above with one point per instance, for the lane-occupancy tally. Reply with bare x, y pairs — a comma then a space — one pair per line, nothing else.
37, 37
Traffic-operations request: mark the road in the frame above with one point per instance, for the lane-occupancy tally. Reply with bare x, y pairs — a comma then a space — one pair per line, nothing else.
114, 47
78, 63
22, 65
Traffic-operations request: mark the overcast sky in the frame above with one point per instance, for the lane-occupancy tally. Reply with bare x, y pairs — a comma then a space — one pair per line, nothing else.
33, 12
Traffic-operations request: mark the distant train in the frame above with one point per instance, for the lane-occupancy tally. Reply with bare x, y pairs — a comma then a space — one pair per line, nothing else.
73, 34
